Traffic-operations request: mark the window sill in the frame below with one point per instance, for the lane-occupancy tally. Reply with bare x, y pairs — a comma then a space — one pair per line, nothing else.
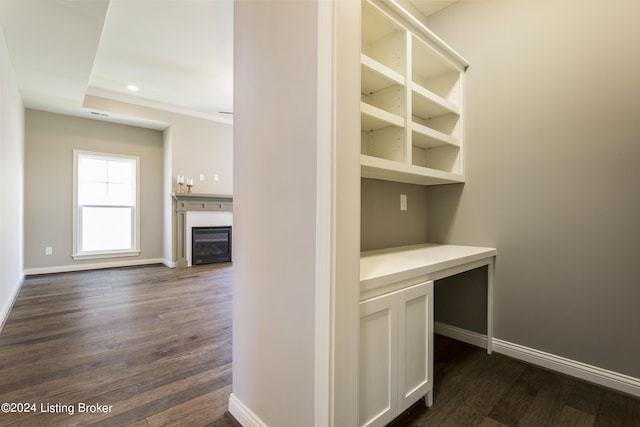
98, 255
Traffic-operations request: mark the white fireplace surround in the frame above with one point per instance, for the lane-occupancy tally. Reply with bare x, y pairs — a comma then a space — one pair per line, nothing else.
204, 219
198, 210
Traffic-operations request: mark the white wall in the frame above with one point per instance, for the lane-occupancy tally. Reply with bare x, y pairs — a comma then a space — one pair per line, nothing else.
12, 187
275, 210
553, 148
296, 212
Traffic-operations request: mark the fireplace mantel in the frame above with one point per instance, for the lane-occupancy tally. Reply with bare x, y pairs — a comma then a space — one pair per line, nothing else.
189, 202
202, 202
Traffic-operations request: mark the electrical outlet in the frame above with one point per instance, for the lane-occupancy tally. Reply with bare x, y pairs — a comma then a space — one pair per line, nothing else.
201, 177
48, 250
403, 202
216, 177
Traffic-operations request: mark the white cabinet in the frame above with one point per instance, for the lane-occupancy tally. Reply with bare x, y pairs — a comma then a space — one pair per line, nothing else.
396, 353
411, 100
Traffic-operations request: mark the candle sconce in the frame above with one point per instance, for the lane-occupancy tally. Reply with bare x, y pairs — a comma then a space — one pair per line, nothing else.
180, 181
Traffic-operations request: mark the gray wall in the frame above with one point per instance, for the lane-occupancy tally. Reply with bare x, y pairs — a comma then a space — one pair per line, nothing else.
553, 148
49, 143
383, 224
12, 186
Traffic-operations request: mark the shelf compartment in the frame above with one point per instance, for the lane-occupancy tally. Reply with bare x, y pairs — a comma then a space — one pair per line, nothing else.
383, 39
376, 76
445, 158
426, 137
431, 70
386, 143
389, 100
428, 104
433, 114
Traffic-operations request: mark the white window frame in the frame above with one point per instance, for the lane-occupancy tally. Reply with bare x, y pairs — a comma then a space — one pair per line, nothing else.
78, 254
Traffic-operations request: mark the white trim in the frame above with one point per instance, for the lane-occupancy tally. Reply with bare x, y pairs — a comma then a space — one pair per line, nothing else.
6, 309
102, 255
95, 266
603, 377
76, 232
135, 101
169, 263
324, 216
243, 414
464, 335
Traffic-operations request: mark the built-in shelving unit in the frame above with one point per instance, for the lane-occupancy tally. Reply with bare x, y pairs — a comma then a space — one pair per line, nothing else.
411, 115
411, 100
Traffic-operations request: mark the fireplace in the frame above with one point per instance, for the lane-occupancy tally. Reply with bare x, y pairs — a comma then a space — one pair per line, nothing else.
210, 244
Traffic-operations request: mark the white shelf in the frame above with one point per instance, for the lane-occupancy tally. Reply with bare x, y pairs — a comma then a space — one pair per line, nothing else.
428, 104
425, 137
374, 118
376, 76
390, 170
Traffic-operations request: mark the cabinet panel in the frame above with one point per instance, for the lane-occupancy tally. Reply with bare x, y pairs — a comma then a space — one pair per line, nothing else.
415, 356
378, 361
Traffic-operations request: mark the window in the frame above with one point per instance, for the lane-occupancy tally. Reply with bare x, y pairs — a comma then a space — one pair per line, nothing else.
105, 205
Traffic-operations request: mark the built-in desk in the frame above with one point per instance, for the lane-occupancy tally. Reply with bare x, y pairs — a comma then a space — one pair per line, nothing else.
396, 323
387, 270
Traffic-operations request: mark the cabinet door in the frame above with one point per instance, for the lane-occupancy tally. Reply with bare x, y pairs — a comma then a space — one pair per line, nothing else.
415, 335
378, 392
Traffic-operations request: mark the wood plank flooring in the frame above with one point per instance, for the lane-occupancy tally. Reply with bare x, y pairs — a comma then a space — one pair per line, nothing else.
151, 343
154, 345
473, 388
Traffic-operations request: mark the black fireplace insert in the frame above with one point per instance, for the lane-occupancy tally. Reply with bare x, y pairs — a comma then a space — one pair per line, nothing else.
210, 244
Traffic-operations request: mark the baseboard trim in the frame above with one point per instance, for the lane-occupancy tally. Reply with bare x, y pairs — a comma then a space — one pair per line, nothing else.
169, 263
8, 305
464, 335
594, 374
243, 414
93, 266
610, 379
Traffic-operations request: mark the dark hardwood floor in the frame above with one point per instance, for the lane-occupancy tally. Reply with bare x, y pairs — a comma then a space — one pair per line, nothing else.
473, 388
153, 346
151, 343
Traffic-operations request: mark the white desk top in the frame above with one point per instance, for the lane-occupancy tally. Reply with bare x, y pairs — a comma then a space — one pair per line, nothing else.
386, 266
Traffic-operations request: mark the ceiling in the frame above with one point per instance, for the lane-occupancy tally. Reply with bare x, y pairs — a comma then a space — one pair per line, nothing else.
179, 53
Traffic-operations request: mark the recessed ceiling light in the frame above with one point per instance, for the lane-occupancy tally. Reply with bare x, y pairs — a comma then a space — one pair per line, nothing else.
132, 88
